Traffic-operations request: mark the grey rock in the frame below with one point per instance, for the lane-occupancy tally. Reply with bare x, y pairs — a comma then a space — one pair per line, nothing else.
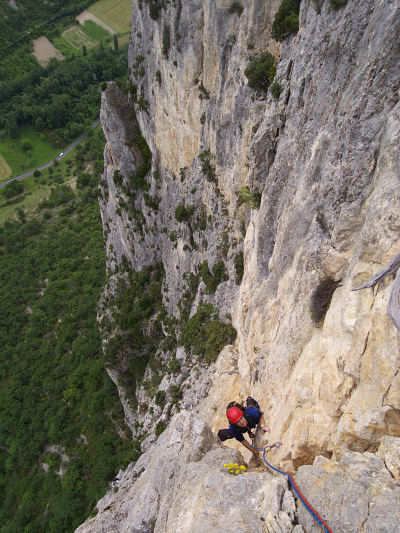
355, 494
181, 486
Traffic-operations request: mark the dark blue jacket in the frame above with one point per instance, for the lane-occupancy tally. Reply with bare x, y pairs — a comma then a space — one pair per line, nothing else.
253, 419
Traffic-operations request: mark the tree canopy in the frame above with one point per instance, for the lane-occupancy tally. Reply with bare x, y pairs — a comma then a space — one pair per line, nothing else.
54, 390
62, 98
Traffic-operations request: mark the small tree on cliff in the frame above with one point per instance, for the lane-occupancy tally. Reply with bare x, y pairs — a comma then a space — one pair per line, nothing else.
286, 20
261, 71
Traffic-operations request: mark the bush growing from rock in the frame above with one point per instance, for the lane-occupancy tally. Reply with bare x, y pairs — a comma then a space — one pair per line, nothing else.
160, 427
160, 398
174, 365
207, 167
261, 71
212, 280
252, 199
238, 263
154, 9
166, 40
337, 4
175, 392
286, 20
182, 214
275, 89
236, 7
205, 335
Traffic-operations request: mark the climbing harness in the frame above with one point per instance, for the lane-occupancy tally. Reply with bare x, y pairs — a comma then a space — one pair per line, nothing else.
306, 504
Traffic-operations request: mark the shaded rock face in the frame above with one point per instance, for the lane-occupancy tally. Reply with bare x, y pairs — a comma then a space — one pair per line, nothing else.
325, 159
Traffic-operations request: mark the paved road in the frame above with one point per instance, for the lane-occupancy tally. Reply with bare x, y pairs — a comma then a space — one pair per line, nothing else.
47, 165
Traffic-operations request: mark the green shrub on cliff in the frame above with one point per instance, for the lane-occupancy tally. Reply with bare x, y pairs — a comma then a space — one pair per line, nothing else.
154, 9
212, 280
236, 7
238, 263
275, 89
208, 167
286, 20
182, 214
261, 71
160, 427
204, 335
166, 40
337, 4
252, 199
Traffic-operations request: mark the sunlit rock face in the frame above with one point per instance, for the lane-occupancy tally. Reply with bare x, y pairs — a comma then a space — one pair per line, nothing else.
183, 485
324, 364
328, 211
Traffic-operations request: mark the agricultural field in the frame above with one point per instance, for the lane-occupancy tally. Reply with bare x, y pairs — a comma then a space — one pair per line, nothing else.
44, 50
5, 170
115, 13
25, 152
61, 44
87, 15
95, 31
35, 189
77, 37
124, 39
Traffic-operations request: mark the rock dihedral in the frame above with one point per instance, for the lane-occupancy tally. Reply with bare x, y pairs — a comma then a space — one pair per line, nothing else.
325, 158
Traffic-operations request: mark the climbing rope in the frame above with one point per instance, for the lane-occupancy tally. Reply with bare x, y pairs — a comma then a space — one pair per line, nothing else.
306, 504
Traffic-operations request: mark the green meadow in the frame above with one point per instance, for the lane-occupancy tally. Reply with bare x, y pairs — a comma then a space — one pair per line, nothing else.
35, 189
27, 151
95, 31
115, 13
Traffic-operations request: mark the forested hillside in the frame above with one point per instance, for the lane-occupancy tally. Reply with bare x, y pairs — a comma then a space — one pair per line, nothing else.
60, 99
56, 398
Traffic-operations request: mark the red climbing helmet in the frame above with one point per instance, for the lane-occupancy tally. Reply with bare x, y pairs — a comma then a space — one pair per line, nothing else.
234, 415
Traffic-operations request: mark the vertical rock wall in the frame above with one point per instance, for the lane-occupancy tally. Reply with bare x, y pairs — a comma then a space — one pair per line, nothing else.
325, 158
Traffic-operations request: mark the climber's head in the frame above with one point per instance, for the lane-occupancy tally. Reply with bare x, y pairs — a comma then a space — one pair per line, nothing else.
242, 422
234, 415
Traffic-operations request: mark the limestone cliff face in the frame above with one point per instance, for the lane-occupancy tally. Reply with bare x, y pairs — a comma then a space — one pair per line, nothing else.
329, 210
325, 158
181, 485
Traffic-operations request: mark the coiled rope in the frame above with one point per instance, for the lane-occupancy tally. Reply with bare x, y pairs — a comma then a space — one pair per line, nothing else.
306, 504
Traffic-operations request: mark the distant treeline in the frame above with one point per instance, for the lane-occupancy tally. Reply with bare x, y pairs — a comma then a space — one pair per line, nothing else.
35, 17
62, 98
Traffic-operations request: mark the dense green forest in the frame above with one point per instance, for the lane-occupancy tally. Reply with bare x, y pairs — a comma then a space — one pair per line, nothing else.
62, 428
54, 389
35, 17
60, 99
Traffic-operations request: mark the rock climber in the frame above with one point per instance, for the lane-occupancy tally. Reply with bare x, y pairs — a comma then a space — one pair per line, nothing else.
243, 420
